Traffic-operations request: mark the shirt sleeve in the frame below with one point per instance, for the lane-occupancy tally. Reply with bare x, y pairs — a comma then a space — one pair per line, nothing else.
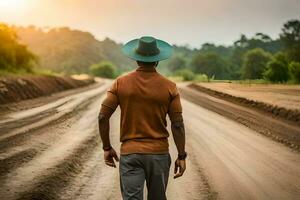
175, 108
111, 101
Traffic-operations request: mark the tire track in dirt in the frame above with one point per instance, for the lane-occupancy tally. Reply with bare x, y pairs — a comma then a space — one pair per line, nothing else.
8, 164
52, 186
291, 115
193, 184
20, 138
278, 130
206, 190
6, 109
28, 120
57, 163
237, 162
98, 181
33, 143
61, 107
78, 187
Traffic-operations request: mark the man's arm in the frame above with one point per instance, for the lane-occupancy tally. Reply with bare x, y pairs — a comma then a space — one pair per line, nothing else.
103, 122
177, 127
109, 105
109, 153
178, 132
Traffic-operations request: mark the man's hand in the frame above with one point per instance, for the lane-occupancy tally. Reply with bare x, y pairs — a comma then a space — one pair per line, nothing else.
179, 164
109, 157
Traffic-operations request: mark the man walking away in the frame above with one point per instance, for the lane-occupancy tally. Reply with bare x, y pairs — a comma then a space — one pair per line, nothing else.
145, 98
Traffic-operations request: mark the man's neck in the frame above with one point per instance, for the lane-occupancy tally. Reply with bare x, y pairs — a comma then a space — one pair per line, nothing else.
147, 66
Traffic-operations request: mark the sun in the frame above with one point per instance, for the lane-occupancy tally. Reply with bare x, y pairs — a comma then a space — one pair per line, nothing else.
12, 5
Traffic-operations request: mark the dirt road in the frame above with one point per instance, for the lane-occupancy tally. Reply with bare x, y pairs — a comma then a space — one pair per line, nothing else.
287, 96
54, 152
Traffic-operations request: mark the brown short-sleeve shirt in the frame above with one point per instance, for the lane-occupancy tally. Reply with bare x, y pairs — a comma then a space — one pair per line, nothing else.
145, 98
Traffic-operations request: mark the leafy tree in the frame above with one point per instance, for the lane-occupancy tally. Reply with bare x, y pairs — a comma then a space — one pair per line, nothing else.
210, 64
259, 40
277, 71
14, 56
186, 74
290, 37
282, 57
255, 63
224, 52
244, 44
103, 69
176, 63
295, 71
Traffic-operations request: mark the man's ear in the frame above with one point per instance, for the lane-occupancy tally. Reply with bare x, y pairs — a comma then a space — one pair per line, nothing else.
156, 63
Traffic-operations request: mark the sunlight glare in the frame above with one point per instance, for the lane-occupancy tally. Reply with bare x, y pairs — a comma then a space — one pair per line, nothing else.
12, 5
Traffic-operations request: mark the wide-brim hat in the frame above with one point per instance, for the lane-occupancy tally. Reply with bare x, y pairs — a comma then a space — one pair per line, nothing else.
147, 49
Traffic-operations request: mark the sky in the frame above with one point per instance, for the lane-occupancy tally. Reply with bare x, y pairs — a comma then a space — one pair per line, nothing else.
181, 22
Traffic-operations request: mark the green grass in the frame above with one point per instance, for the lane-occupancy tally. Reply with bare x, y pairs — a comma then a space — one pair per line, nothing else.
258, 81
203, 79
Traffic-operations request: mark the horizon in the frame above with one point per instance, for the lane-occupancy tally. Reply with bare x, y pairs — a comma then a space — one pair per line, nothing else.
48, 28
216, 22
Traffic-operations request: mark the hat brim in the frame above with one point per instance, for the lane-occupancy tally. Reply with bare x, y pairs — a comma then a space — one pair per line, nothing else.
129, 49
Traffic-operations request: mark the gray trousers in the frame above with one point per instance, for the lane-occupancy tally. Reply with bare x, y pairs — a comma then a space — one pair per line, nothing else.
135, 169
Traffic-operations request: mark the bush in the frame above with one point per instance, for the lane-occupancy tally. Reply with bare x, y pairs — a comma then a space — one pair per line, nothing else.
186, 74
211, 64
255, 63
295, 71
277, 71
281, 57
104, 69
201, 78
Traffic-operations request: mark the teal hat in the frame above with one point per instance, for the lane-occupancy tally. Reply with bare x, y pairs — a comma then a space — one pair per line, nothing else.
147, 49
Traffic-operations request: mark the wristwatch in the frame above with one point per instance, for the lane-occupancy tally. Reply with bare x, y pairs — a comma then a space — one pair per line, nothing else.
182, 156
107, 148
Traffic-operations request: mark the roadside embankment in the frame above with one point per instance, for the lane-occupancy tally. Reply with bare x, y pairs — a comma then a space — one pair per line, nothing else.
283, 128
281, 110
17, 88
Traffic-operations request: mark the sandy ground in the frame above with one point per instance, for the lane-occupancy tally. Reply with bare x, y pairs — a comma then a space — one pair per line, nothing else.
54, 152
287, 96
279, 129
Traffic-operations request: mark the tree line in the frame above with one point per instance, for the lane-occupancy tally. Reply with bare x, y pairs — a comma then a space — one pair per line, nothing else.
67, 51
258, 57
14, 56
